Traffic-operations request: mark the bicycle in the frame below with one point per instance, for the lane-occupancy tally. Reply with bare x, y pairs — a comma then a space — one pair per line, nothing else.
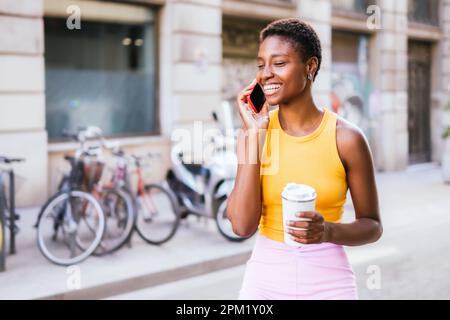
119, 208
71, 224
116, 203
157, 215
8, 214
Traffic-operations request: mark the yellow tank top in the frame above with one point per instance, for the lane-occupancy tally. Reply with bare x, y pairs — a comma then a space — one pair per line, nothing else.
313, 160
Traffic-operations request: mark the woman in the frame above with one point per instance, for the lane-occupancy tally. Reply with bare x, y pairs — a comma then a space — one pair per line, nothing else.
311, 146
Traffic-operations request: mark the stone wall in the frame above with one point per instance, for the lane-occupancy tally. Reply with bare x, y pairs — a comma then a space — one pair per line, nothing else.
22, 97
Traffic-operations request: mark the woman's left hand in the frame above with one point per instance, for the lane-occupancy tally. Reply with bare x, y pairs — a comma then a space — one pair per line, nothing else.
316, 231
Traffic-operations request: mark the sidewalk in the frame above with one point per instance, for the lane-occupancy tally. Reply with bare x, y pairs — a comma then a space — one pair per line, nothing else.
197, 248
414, 250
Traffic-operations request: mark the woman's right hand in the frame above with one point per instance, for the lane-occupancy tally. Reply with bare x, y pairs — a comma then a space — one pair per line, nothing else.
252, 120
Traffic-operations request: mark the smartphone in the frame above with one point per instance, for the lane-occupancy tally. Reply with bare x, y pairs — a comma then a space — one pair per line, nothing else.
257, 98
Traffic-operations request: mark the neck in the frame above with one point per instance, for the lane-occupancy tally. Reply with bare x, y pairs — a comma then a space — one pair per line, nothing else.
300, 115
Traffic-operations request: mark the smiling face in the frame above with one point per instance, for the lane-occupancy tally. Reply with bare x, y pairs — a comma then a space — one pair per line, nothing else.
281, 72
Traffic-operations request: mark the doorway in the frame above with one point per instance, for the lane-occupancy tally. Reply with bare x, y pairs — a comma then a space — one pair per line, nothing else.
419, 100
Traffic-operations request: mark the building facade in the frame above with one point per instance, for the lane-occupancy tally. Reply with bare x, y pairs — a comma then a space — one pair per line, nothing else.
142, 68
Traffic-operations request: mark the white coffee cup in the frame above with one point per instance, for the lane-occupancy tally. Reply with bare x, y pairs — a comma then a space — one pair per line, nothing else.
296, 198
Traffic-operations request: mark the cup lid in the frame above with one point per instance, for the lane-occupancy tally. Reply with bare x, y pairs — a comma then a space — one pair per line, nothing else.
298, 192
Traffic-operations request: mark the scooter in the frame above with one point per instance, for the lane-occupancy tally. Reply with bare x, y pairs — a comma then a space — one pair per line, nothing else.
203, 189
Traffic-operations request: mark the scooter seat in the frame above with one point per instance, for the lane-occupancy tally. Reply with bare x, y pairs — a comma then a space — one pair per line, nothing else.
197, 169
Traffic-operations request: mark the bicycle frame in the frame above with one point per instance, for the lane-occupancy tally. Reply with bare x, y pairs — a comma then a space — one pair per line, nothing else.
121, 177
146, 199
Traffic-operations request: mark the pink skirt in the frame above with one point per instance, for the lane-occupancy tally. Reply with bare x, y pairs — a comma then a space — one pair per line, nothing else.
277, 271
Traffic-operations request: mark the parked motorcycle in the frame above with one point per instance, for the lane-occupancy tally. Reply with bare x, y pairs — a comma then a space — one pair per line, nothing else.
203, 189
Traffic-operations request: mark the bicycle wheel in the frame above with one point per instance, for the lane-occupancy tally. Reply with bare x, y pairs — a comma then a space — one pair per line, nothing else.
70, 227
120, 219
157, 219
224, 224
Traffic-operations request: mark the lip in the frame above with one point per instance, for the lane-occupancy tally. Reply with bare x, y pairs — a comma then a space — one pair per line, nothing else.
272, 92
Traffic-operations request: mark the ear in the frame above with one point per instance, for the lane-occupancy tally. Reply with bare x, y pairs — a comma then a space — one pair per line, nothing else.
311, 65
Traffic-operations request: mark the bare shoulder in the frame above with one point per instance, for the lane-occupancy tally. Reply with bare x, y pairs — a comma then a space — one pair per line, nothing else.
351, 142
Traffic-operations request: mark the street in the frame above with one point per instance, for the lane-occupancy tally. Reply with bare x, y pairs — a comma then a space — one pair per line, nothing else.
412, 258
106, 93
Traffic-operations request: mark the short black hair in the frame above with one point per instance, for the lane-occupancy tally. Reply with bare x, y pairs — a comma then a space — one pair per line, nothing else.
301, 35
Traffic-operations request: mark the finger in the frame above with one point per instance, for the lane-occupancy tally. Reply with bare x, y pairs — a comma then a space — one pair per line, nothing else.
252, 84
314, 240
243, 99
305, 234
247, 115
248, 89
245, 92
246, 111
264, 112
306, 241
242, 106
301, 234
265, 108
314, 216
299, 224
299, 240
305, 224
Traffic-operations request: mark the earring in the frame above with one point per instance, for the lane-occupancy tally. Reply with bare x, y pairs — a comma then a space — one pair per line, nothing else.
310, 77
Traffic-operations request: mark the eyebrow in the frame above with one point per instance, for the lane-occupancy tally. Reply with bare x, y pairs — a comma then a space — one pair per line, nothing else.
274, 56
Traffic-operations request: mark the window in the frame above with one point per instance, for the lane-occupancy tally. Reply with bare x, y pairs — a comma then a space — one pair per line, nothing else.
423, 11
102, 75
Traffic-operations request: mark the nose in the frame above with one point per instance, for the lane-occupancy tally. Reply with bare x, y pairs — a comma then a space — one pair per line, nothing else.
266, 73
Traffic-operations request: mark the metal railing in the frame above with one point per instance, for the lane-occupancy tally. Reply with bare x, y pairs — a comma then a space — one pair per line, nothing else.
424, 11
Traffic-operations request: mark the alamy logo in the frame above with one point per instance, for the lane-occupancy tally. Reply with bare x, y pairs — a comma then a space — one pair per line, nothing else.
74, 19
374, 280
374, 20
74, 278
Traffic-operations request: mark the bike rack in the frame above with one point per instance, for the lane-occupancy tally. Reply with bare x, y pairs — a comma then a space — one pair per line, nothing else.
12, 213
2, 229
12, 218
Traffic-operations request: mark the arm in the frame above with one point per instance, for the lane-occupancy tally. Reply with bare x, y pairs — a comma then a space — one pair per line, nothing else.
244, 204
367, 228
357, 159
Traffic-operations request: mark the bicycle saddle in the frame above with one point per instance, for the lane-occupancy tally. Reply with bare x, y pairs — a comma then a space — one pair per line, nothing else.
197, 169
71, 159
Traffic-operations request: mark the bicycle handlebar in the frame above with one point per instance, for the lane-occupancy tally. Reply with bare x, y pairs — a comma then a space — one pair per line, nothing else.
135, 159
83, 133
71, 135
4, 159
